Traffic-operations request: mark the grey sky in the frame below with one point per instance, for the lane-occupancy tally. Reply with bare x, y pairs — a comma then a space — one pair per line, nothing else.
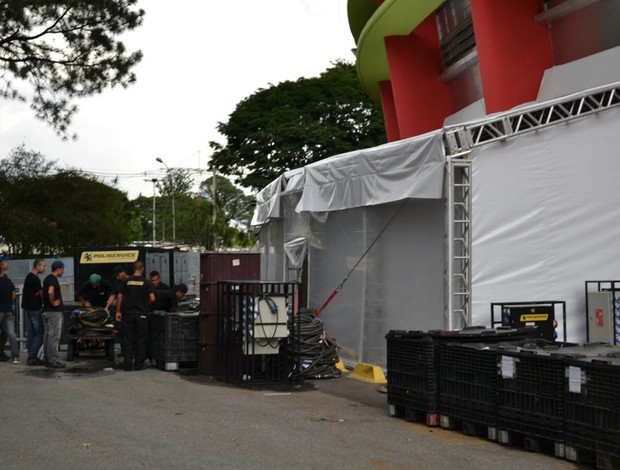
200, 59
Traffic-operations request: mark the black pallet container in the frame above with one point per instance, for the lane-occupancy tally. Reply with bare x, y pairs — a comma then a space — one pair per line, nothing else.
530, 390
413, 364
173, 340
180, 325
592, 400
468, 382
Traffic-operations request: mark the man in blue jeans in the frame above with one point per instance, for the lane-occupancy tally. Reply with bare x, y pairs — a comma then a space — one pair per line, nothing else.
32, 304
52, 315
7, 317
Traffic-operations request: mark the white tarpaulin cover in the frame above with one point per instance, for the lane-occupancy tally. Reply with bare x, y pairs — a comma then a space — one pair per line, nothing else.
545, 212
407, 169
268, 202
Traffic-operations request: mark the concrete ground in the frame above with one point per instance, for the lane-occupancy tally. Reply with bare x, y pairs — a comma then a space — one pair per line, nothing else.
90, 416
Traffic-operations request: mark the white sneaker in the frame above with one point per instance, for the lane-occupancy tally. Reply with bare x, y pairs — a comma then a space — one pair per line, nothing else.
16, 360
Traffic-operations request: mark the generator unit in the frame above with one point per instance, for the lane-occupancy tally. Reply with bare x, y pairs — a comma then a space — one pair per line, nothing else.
542, 315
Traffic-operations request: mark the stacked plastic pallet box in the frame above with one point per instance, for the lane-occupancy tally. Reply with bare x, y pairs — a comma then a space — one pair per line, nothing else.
592, 401
530, 395
468, 387
174, 340
413, 363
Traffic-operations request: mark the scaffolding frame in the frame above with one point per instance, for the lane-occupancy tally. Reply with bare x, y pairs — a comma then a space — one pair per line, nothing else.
459, 142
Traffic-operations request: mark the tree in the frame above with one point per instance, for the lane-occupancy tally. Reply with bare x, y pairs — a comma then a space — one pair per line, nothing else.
231, 203
177, 181
24, 163
65, 50
233, 212
295, 123
52, 213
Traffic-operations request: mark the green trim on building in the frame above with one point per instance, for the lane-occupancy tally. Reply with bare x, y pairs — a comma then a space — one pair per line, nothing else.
392, 18
359, 12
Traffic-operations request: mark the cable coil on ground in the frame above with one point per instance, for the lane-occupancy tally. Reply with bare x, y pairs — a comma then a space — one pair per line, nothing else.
90, 321
318, 354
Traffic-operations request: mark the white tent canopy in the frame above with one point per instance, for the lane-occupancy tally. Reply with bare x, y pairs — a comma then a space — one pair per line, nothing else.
407, 169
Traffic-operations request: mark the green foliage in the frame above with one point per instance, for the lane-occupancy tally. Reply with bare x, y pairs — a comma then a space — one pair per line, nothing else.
24, 163
64, 50
54, 212
177, 181
194, 216
233, 212
295, 123
232, 204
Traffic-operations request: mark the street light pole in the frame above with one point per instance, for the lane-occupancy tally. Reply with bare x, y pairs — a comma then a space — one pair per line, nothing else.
153, 180
174, 223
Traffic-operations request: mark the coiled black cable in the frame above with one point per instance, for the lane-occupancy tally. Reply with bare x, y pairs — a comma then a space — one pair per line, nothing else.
318, 354
91, 322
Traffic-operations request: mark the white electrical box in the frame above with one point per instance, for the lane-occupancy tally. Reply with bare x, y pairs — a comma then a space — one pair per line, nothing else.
603, 318
270, 315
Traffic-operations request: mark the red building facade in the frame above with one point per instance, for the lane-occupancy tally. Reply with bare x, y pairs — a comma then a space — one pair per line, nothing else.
427, 60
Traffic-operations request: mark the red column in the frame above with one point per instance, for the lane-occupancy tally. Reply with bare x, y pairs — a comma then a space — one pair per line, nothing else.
513, 51
389, 111
421, 101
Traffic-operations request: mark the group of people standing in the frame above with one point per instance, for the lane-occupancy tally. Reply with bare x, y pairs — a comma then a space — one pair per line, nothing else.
133, 295
42, 303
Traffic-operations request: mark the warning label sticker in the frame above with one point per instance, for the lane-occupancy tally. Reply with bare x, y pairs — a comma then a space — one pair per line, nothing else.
535, 317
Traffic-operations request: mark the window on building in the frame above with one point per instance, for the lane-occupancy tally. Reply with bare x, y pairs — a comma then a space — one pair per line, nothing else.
456, 32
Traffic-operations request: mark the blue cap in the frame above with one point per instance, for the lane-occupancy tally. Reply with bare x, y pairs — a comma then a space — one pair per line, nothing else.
57, 265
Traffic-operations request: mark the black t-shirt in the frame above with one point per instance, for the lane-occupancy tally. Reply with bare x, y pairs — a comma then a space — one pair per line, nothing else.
161, 286
135, 291
97, 295
51, 280
116, 287
30, 299
6, 294
165, 300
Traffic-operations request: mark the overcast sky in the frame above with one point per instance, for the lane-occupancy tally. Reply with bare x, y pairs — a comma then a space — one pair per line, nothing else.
200, 59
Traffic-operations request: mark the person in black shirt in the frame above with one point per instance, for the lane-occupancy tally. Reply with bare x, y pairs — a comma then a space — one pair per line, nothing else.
32, 303
156, 281
133, 299
52, 315
119, 276
96, 292
167, 300
7, 317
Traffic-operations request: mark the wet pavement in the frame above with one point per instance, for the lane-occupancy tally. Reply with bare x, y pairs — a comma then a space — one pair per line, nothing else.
95, 415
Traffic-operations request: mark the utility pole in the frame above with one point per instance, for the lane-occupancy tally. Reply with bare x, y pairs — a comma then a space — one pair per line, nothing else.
174, 222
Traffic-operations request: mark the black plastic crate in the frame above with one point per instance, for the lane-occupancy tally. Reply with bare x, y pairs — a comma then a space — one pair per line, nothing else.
174, 325
593, 404
411, 374
173, 344
468, 382
185, 354
413, 362
530, 389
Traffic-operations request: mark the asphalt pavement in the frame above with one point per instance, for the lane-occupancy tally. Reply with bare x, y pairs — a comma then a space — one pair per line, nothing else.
95, 415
